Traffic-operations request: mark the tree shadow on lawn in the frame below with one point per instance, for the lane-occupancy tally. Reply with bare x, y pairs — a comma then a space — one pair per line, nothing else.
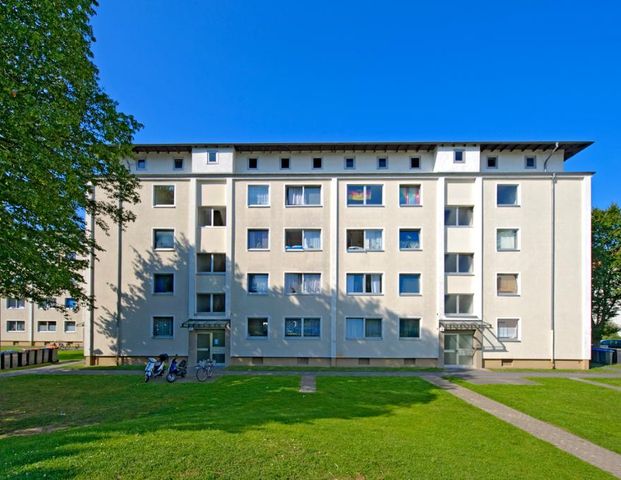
231, 405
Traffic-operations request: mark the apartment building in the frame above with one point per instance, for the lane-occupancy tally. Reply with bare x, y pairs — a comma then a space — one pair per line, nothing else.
385, 254
24, 323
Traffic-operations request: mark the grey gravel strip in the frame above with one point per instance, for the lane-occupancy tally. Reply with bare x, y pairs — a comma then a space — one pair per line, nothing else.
597, 384
308, 384
568, 442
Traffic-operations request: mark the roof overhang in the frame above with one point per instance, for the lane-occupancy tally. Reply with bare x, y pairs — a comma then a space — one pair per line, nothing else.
194, 323
457, 324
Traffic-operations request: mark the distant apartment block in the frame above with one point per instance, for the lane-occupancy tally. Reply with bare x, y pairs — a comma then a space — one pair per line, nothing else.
350, 254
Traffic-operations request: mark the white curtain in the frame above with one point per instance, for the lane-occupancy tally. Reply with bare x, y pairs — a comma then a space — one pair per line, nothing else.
312, 239
355, 328
312, 283
373, 240
295, 196
376, 283
258, 283
292, 282
312, 195
257, 238
506, 240
258, 195
508, 329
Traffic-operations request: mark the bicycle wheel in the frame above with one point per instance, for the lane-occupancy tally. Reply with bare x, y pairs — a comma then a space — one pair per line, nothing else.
210, 371
202, 374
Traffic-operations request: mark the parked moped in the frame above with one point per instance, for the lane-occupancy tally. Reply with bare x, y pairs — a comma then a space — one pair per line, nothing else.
177, 369
155, 367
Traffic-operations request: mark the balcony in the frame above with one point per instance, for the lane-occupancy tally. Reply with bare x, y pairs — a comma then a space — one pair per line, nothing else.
212, 239
210, 282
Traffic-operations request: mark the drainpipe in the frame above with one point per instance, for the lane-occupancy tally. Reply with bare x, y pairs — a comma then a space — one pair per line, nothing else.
91, 313
553, 260
119, 264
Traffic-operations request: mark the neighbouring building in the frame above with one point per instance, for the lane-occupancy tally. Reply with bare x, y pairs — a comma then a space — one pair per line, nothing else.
27, 324
382, 254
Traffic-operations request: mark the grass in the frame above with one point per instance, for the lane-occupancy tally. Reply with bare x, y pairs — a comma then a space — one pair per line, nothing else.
247, 427
595, 368
610, 381
583, 409
304, 368
70, 355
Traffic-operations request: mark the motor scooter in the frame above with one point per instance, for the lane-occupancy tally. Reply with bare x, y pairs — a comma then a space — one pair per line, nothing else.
155, 367
176, 369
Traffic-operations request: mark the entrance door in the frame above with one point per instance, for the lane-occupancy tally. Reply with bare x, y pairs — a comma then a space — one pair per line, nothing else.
211, 346
458, 349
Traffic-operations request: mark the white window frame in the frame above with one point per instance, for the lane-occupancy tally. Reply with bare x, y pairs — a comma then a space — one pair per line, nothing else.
457, 207
526, 157
463, 155
364, 328
518, 284
211, 263
23, 301
304, 186
420, 239
164, 294
458, 313
70, 332
161, 337
22, 322
353, 167
519, 330
303, 321
364, 185
517, 240
257, 294
284, 240
154, 229
458, 273
174, 204
364, 282
211, 312
258, 205
269, 240
420, 329
303, 293
420, 284
215, 156
364, 249
47, 323
518, 196
420, 195
262, 337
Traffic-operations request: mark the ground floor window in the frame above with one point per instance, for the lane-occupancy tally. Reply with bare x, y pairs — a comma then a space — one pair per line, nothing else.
46, 326
15, 326
70, 327
302, 327
162, 327
360, 328
409, 328
508, 329
258, 327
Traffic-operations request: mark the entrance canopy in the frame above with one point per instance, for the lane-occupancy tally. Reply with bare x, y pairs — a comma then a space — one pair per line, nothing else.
193, 323
463, 324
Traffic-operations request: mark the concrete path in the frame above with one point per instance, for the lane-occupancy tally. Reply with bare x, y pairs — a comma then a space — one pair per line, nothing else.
568, 442
598, 384
308, 384
43, 369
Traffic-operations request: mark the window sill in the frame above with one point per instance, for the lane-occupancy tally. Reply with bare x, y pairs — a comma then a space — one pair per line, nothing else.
507, 295
410, 294
257, 338
508, 250
458, 226
302, 250
365, 206
304, 206
362, 250
162, 337
163, 249
302, 294
164, 294
363, 294
219, 274
410, 339
258, 249
298, 339
256, 294
258, 206
405, 205
459, 274
509, 340
164, 206
366, 339
410, 249
502, 205
212, 226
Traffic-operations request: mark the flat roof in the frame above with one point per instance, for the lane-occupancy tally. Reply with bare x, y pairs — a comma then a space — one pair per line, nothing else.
570, 148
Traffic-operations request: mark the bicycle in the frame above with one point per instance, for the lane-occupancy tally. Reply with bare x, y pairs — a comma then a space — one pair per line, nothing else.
204, 370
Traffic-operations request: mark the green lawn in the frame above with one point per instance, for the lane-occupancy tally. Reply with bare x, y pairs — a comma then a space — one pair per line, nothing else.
261, 427
70, 355
583, 409
304, 368
610, 381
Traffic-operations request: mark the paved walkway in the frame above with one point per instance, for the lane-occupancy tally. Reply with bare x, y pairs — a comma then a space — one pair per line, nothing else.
568, 442
598, 384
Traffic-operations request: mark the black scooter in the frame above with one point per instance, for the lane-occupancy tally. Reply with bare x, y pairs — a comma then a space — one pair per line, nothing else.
177, 369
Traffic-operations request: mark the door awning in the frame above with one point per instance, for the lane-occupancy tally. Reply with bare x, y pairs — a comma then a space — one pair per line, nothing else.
205, 323
463, 324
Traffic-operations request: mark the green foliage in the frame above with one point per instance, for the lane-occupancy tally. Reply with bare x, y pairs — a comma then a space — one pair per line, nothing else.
606, 270
60, 135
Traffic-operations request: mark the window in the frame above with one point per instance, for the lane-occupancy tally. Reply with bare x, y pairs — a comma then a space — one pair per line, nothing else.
212, 216
258, 283
508, 329
530, 162
212, 157
409, 239
163, 195
369, 240
71, 303
258, 195
284, 163
257, 327
141, 164
409, 284
302, 239
70, 326
162, 327
492, 162
302, 283
317, 163
409, 195
382, 162
360, 328
258, 239
210, 303
13, 303
47, 304
458, 156
210, 263
364, 283
163, 239
364, 194
253, 163
507, 284
178, 163
409, 328
15, 326
350, 163
46, 326
163, 283
506, 239
302, 327
302, 195
414, 162
507, 195
458, 304
458, 216
458, 262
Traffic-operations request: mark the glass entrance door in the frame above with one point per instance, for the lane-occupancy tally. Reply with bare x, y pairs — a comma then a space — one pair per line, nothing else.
211, 346
458, 349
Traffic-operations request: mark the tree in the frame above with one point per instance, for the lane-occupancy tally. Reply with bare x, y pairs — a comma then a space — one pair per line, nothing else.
60, 136
606, 270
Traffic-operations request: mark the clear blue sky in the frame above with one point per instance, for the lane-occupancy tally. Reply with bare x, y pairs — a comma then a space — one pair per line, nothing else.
222, 70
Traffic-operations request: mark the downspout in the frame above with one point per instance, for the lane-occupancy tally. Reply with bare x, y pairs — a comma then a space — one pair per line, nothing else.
91, 313
553, 260
119, 264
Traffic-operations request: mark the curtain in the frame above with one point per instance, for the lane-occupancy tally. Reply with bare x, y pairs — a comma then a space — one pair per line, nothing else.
257, 283
292, 282
312, 239
312, 195
409, 327
507, 283
409, 239
354, 328
465, 263
373, 328
257, 238
376, 283
508, 329
312, 283
373, 239
465, 216
506, 240
258, 195
409, 283
312, 327
354, 283
450, 216
293, 327
409, 195
295, 195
